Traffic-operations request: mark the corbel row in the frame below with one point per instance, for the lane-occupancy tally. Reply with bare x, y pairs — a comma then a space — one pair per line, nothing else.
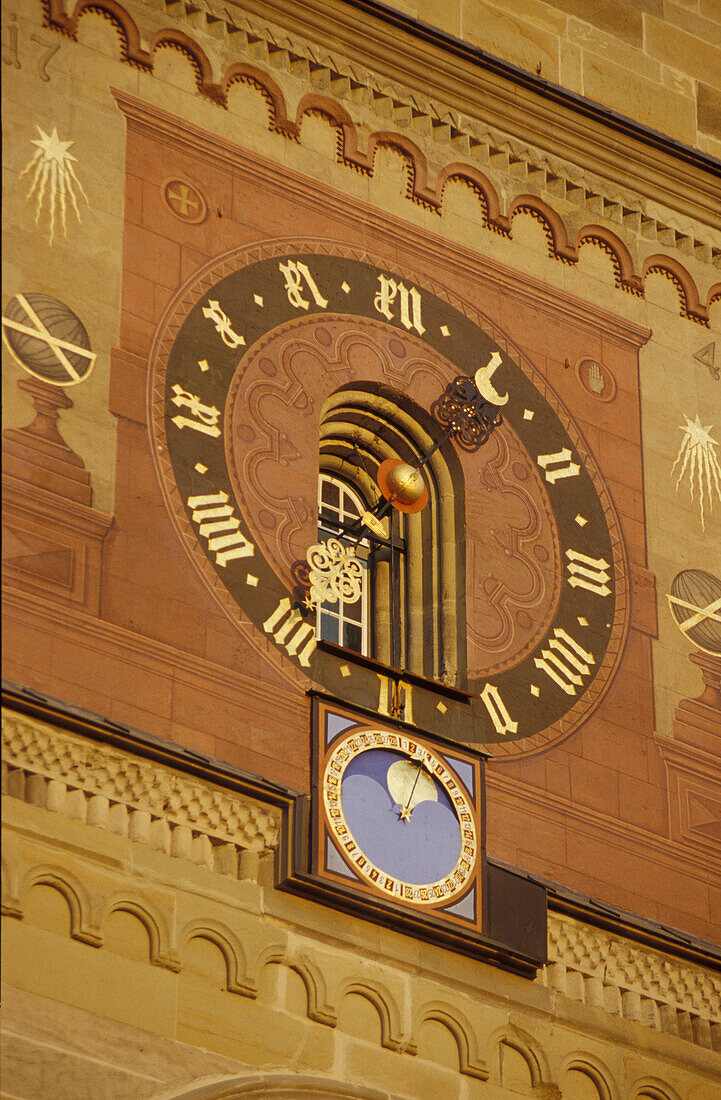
356, 149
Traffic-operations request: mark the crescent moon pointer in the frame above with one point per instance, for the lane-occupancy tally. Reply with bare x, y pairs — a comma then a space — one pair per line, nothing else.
483, 381
408, 784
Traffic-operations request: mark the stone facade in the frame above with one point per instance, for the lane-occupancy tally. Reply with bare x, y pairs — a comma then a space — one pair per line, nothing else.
656, 63
184, 967
147, 143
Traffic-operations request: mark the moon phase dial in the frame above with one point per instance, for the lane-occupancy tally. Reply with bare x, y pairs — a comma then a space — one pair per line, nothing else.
399, 814
399, 817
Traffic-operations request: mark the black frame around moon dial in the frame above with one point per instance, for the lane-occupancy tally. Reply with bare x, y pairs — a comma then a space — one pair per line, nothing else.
553, 687
356, 822
476, 909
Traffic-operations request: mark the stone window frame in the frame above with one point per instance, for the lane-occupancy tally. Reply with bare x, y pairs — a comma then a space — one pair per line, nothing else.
360, 427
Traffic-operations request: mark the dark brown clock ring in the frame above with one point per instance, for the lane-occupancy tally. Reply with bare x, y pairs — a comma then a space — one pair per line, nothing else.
214, 365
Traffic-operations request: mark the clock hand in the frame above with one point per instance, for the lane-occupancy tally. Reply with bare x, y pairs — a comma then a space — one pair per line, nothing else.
405, 811
469, 411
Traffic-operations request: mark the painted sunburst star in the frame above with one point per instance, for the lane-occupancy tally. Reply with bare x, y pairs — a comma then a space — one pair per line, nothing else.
52, 146
53, 177
697, 454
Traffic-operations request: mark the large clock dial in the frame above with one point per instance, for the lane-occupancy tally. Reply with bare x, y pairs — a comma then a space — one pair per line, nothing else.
244, 361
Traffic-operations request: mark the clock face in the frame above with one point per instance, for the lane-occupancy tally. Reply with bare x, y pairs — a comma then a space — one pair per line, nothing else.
401, 820
247, 358
396, 819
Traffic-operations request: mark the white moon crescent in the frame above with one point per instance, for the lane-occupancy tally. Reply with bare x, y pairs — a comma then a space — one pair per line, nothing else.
403, 777
484, 384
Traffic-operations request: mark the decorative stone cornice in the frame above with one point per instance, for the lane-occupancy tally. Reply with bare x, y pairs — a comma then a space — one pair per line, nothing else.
189, 818
389, 45
128, 795
509, 175
384, 44
632, 981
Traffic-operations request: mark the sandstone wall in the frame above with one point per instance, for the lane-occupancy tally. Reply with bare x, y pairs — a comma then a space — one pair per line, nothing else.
656, 61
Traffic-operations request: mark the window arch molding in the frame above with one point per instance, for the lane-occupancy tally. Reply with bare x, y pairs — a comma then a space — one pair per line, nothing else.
285, 1086
360, 427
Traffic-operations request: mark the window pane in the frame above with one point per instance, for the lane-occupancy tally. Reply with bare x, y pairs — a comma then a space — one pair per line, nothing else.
341, 622
353, 610
350, 507
330, 493
329, 628
327, 513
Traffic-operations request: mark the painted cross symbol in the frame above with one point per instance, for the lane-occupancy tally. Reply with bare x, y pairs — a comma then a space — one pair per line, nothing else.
185, 199
59, 347
701, 614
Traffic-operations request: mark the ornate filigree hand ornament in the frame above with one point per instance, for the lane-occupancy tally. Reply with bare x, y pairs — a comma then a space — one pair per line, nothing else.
469, 411
334, 574
467, 417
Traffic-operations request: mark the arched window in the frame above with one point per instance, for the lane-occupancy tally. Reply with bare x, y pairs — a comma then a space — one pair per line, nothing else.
414, 591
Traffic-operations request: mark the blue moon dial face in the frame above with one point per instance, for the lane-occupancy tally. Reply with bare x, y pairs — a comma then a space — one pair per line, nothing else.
400, 817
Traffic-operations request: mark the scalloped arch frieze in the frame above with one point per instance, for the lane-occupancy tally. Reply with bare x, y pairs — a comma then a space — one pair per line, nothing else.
421, 188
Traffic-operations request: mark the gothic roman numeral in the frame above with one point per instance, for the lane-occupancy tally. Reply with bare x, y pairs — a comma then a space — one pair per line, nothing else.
589, 573
205, 416
395, 698
502, 721
565, 661
561, 465
409, 301
295, 276
290, 630
223, 325
218, 524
